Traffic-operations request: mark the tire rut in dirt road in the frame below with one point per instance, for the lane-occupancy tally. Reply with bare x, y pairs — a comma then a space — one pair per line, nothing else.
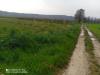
79, 63
96, 45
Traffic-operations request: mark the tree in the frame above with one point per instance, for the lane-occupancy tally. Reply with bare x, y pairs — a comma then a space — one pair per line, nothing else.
80, 15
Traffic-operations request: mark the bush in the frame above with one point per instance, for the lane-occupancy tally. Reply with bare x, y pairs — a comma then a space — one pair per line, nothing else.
15, 40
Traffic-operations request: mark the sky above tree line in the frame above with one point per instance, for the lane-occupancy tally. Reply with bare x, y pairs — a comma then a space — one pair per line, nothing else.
56, 7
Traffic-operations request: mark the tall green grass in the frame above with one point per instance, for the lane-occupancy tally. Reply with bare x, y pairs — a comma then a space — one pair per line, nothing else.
95, 28
40, 47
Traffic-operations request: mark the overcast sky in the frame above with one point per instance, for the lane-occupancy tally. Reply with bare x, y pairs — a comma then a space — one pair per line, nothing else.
57, 7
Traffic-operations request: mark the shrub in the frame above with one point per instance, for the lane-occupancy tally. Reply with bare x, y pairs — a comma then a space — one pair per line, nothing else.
15, 40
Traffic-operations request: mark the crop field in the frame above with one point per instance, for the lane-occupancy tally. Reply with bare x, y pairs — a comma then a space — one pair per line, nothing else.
40, 47
95, 28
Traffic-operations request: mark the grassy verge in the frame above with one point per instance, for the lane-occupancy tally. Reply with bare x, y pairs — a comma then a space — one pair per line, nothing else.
39, 47
94, 67
95, 28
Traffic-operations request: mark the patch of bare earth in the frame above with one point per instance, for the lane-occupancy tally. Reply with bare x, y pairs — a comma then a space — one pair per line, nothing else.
79, 63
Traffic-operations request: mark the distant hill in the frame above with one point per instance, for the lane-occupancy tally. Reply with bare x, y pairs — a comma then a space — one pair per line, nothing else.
35, 16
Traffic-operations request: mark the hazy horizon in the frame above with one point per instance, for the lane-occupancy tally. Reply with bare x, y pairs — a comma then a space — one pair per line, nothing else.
52, 7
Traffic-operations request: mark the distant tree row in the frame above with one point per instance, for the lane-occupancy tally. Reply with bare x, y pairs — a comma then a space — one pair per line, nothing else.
80, 17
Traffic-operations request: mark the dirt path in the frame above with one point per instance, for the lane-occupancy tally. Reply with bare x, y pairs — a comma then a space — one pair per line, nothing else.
96, 45
79, 62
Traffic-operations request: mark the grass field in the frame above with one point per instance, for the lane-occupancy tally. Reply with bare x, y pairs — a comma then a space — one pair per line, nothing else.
39, 47
95, 28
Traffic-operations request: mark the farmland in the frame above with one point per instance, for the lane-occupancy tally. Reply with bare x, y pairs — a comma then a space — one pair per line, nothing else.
41, 47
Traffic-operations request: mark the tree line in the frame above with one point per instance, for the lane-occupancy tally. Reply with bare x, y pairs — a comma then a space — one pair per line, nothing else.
80, 17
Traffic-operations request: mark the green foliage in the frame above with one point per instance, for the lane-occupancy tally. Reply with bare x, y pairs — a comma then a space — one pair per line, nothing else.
40, 47
95, 28
14, 40
94, 67
8, 57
